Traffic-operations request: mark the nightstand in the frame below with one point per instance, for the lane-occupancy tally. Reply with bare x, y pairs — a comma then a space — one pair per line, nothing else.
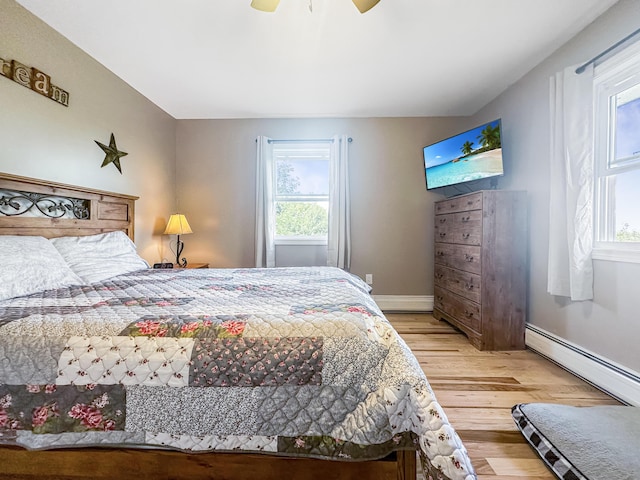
196, 265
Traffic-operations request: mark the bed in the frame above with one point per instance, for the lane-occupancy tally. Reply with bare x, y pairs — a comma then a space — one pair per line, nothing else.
110, 369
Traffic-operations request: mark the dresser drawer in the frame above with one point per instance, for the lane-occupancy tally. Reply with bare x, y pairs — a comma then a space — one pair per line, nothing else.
464, 228
460, 204
461, 257
464, 311
463, 283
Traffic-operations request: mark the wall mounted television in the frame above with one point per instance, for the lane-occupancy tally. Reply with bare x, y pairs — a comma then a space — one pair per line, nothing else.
470, 156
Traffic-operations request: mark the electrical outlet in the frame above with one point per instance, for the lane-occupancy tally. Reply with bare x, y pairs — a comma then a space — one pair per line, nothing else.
368, 278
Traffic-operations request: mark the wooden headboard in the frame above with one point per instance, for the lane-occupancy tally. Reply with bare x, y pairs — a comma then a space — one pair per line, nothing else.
29, 206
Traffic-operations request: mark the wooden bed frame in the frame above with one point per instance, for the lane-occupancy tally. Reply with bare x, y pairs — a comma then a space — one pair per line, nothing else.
86, 211
90, 212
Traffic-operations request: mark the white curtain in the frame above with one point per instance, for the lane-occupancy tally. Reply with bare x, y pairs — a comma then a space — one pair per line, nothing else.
339, 242
265, 247
571, 185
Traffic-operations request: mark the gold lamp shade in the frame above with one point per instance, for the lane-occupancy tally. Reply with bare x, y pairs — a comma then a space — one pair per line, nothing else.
271, 5
178, 225
365, 5
265, 5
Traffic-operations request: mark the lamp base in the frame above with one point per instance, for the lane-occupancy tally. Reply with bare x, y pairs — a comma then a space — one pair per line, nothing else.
179, 248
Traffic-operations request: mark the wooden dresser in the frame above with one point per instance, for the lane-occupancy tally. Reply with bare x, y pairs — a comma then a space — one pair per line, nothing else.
480, 267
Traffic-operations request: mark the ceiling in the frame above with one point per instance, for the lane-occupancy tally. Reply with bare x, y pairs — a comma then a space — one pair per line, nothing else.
223, 59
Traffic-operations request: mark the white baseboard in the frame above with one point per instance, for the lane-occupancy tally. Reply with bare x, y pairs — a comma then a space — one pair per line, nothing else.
404, 303
618, 381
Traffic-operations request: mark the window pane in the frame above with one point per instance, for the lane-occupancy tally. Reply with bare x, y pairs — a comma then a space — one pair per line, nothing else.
302, 218
302, 176
623, 196
627, 139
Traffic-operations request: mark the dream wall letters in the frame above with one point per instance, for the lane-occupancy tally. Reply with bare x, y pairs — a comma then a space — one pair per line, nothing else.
34, 79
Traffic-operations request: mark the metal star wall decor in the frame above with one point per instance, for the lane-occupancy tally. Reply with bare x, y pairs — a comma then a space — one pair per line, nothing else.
112, 153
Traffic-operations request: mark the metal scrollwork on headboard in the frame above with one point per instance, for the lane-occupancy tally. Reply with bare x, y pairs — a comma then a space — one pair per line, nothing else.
15, 203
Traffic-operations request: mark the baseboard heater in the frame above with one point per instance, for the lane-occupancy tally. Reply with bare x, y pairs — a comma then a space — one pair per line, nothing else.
615, 380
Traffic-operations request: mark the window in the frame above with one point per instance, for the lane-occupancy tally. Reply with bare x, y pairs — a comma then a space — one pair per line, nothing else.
301, 200
617, 157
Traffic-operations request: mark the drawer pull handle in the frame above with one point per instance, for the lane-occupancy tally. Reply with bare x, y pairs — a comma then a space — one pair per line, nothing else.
465, 219
469, 286
440, 254
443, 234
439, 298
468, 258
439, 275
468, 314
443, 220
466, 236
469, 202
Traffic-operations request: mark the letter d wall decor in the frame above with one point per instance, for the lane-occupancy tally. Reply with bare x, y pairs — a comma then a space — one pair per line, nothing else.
33, 79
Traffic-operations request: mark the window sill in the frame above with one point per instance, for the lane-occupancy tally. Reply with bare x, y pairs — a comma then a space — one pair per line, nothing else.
629, 253
301, 241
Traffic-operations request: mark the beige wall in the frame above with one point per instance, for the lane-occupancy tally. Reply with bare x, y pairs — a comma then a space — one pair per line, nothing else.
608, 325
43, 139
391, 216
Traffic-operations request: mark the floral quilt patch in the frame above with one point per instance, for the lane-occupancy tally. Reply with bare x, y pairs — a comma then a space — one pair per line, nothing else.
256, 362
329, 308
328, 446
59, 408
201, 326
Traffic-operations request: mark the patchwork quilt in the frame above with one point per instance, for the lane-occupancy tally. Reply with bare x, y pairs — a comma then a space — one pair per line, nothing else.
289, 361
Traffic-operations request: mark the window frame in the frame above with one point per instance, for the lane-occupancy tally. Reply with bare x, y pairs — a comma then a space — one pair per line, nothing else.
611, 77
300, 240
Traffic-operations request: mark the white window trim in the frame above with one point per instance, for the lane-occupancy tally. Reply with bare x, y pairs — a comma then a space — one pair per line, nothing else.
616, 252
300, 240
619, 65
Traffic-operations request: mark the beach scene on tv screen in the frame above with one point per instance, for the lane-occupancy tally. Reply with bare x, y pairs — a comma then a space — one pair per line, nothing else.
469, 156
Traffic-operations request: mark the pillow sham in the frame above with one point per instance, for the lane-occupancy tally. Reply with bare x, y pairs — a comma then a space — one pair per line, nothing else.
30, 265
95, 258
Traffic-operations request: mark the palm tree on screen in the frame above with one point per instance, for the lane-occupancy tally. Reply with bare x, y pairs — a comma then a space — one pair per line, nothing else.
467, 147
490, 137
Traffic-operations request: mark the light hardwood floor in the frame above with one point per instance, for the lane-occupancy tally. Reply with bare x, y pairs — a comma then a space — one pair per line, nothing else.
477, 390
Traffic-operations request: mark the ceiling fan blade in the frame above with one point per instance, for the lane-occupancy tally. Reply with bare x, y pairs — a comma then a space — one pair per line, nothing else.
365, 5
265, 5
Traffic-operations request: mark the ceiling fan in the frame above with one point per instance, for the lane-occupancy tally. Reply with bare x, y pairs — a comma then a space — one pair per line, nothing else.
271, 5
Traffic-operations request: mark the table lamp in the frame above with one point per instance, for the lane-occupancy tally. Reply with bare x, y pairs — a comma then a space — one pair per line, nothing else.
178, 225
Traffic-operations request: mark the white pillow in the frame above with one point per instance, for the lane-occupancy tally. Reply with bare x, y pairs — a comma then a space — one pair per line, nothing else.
97, 257
30, 265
